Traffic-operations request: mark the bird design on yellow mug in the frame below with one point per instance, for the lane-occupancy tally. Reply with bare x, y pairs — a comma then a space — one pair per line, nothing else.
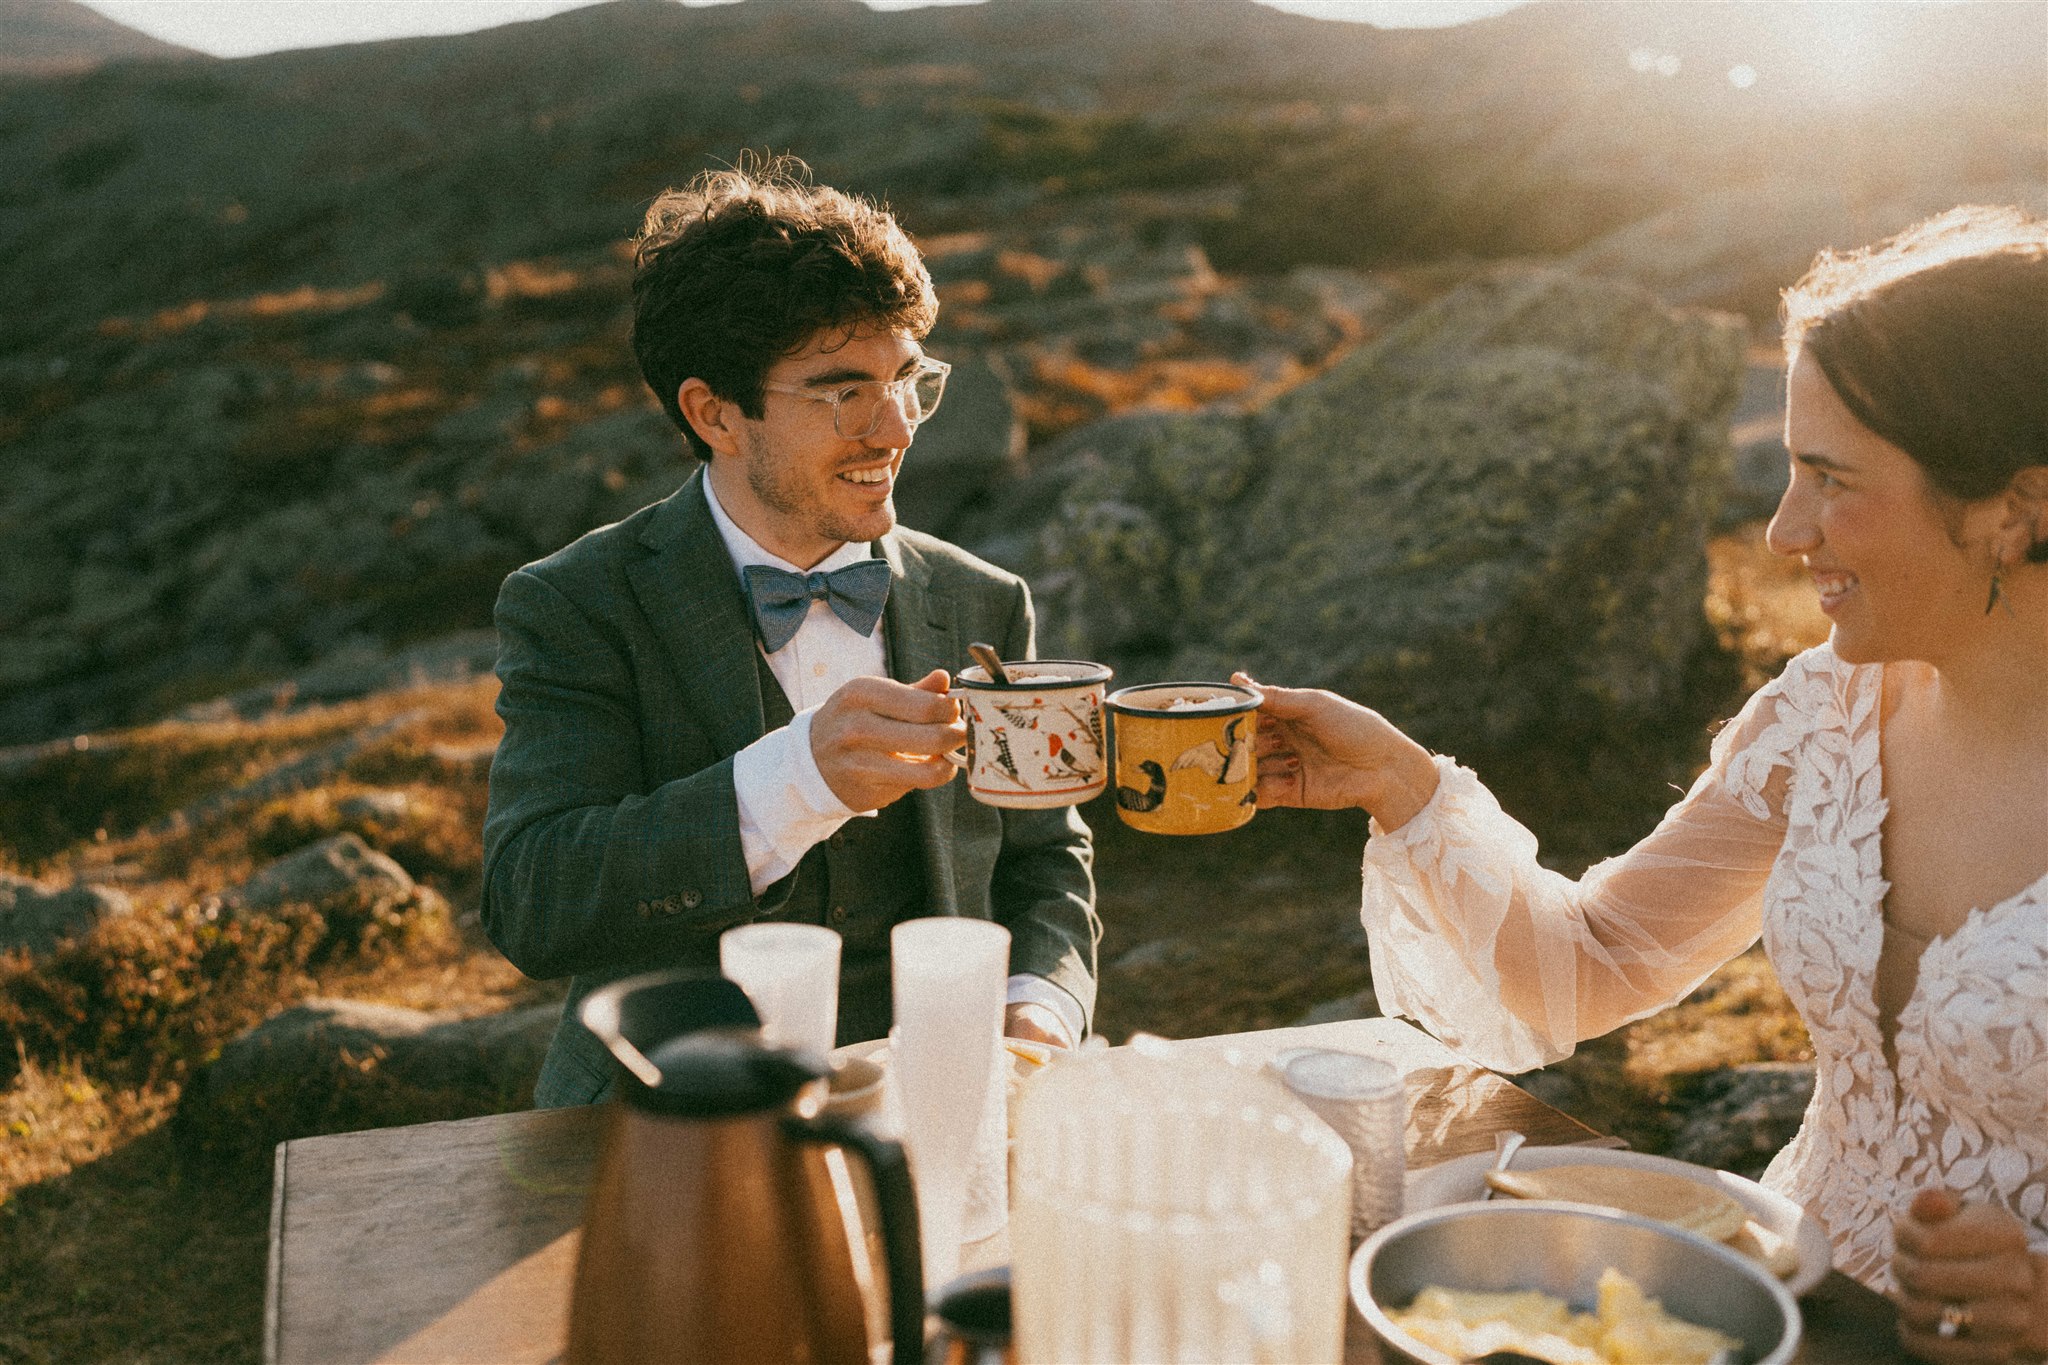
1227, 760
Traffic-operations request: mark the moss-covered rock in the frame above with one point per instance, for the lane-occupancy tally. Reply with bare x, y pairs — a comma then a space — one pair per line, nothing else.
332, 1065
1489, 526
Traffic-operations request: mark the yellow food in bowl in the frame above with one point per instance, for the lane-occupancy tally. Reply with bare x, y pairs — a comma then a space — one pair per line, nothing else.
1627, 1327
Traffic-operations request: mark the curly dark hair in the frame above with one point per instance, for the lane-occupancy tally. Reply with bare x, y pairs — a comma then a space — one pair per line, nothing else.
743, 267
1937, 340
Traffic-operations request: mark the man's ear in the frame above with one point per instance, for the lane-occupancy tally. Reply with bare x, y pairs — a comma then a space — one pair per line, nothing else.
710, 416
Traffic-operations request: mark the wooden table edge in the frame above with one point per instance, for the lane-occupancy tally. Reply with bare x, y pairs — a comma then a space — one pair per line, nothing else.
274, 1275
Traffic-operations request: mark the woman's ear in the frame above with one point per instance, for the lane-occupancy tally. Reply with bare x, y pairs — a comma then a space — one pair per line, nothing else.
2026, 523
710, 416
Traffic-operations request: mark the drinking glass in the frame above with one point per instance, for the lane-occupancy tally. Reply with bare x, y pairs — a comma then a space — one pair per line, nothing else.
1365, 1103
948, 983
791, 973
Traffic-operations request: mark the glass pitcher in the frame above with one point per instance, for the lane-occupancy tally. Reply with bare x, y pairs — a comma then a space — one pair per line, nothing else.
1175, 1208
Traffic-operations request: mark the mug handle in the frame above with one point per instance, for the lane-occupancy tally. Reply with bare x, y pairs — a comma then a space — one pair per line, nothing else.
897, 1197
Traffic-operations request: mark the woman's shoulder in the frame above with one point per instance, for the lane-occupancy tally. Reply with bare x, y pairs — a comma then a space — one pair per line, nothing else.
1816, 693
1820, 685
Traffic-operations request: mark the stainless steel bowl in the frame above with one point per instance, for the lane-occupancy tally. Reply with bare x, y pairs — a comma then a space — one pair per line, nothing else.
1561, 1249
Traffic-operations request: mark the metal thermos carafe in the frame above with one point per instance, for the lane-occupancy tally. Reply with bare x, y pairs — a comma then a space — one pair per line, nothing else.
715, 1230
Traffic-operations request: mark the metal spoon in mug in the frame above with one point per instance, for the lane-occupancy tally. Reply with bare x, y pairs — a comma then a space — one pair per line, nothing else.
1505, 1145
986, 656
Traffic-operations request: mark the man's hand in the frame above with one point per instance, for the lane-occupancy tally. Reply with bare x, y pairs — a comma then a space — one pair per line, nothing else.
1968, 1263
876, 739
1035, 1023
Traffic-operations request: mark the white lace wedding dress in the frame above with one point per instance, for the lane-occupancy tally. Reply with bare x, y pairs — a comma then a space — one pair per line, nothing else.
1512, 964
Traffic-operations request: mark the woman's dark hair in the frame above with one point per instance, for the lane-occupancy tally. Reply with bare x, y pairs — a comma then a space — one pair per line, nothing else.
742, 267
1937, 340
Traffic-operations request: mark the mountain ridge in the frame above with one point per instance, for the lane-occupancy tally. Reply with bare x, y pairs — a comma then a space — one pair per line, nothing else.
57, 37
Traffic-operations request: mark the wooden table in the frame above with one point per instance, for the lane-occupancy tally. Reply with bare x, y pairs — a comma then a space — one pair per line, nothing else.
456, 1242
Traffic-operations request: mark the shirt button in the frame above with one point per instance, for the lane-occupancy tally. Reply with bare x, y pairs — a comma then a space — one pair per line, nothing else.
839, 914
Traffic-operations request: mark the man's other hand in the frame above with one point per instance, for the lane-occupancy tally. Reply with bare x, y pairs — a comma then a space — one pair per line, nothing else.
876, 739
1035, 1023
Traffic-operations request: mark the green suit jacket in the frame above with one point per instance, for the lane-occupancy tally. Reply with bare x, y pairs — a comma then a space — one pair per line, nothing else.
629, 680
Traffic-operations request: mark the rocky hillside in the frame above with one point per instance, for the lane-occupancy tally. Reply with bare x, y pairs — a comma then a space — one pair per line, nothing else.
304, 352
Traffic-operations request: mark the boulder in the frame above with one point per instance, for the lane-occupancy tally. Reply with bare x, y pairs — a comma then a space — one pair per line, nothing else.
377, 807
974, 435
341, 865
34, 917
1161, 953
1362, 1004
1490, 525
1740, 1116
510, 1047
332, 1065
1757, 431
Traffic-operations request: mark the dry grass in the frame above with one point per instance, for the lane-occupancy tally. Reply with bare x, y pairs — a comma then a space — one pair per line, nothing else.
1762, 605
114, 1247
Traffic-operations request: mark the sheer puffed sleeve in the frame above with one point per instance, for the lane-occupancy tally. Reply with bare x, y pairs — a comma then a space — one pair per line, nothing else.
1512, 964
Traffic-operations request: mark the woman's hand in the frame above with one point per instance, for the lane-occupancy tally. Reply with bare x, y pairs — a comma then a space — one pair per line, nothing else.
1967, 1265
1320, 751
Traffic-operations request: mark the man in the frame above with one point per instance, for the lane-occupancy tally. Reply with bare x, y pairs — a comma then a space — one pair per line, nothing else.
701, 729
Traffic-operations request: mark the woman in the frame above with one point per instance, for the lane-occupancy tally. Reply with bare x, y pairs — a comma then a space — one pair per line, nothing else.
1879, 813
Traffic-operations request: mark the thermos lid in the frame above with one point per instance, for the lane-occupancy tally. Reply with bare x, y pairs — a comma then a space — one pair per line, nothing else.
720, 1073
689, 1044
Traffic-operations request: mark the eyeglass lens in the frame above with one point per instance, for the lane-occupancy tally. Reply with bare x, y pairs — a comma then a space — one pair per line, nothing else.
859, 409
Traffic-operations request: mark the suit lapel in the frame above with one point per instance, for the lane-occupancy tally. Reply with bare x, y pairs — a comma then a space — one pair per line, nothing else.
692, 598
922, 637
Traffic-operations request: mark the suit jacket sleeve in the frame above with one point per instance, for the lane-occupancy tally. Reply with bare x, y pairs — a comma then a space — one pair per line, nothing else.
586, 865
1043, 889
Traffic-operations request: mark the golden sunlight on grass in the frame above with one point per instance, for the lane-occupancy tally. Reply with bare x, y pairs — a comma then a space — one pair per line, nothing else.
56, 1118
1762, 605
1740, 1014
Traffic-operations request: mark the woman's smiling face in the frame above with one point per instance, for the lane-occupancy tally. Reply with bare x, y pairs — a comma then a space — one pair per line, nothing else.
1900, 575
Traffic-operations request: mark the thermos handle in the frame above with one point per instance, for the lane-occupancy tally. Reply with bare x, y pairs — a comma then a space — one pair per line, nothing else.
898, 1200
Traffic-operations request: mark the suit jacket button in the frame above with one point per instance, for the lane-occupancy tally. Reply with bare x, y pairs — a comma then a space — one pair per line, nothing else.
692, 899
644, 910
839, 914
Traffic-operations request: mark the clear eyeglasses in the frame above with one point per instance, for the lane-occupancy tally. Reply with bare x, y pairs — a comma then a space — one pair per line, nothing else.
857, 408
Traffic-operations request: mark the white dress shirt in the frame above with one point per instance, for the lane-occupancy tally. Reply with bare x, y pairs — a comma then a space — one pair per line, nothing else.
785, 805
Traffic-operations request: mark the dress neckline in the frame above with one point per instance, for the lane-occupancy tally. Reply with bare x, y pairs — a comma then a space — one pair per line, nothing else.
1974, 917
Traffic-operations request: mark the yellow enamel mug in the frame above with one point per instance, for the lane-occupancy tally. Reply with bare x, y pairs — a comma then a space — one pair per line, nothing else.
1182, 756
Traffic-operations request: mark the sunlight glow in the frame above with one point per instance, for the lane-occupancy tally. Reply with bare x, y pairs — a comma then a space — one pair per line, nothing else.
1846, 46
1649, 61
1742, 77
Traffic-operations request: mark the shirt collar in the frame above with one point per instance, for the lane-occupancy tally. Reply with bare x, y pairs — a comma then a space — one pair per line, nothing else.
745, 550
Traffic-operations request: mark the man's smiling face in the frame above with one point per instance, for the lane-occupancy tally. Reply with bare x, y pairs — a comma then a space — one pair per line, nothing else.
791, 481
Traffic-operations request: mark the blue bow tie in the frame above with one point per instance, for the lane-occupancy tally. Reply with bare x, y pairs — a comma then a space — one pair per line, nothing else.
781, 599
